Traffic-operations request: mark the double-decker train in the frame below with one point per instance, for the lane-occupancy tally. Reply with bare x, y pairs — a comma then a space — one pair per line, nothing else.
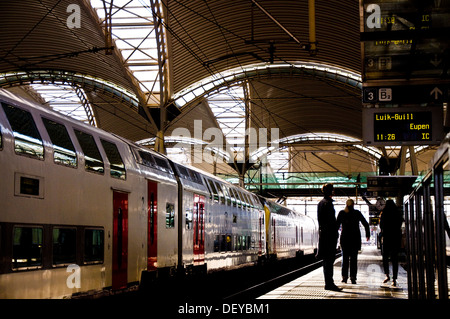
83, 211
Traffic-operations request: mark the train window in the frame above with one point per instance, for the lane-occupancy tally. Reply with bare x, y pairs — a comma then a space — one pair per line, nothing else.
214, 190
92, 159
216, 243
246, 200
233, 196
117, 166
162, 164
220, 192
226, 192
238, 199
93, 245
250, 199
64, 245
195, 176
223, 243
237, 242
241, 196
189, 218
183, 172
170, 215
147, 159
27, 247
208, 188
27, 140
64, 151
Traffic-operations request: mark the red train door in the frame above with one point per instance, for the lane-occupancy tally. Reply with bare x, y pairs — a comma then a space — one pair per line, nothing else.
152, 237
120, 240
199, 229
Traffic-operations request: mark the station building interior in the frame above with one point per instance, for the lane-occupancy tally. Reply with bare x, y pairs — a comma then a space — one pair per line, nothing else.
252, 91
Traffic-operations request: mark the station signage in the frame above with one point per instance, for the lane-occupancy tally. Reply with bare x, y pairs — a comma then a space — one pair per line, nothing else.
432, 94
404, 39
406, 42
402, 126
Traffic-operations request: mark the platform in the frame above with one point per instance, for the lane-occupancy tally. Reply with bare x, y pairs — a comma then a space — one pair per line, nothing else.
369, 282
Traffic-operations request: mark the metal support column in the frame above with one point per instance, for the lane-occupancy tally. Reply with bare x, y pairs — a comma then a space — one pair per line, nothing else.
163, 73
428, 241
312, 27
108, 27
441, 266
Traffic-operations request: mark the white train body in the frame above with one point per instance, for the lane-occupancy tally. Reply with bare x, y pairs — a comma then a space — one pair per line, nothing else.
84, 211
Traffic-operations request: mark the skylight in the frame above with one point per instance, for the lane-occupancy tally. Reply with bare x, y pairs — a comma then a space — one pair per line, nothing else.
67, 100
134, 35
228, 107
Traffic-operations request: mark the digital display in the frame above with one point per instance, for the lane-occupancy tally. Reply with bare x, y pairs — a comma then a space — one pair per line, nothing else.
402, 126
402, 39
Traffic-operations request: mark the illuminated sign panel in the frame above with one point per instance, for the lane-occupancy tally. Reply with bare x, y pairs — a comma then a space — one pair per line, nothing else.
402, 126
404, 39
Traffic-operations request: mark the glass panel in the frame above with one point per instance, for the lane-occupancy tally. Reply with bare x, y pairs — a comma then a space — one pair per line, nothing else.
147, 159
162, 164
27, 247
221, 195
117, 165
64, 151
92, 158
93, 245
64, 245
213, 189
27, 140
227, 194
170, 215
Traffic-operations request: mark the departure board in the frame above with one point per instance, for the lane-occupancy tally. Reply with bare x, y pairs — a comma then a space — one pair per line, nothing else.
404, 38
402, 126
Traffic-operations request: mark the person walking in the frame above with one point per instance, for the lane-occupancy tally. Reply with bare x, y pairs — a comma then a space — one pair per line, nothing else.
328, 235
391, 232
350, 240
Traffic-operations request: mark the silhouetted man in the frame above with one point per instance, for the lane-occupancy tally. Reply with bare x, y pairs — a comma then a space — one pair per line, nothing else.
328, 235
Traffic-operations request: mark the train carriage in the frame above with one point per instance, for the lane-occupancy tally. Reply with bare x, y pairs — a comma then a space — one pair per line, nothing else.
86, 211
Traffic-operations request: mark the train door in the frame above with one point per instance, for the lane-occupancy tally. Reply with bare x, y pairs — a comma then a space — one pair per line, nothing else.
120, 240
199, 229
274, 249
152, 225
260, 234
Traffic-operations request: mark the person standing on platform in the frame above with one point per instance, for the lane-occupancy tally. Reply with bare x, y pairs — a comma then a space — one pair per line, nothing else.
391, 232
328, 235
350, 218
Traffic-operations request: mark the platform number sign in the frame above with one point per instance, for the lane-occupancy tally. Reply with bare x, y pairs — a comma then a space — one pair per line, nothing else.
374, 95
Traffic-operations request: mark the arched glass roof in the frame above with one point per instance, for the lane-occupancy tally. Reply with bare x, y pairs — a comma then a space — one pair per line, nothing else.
224, 78
134, 35
68, 100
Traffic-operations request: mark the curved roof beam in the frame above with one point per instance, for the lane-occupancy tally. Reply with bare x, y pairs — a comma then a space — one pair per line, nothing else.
318, 139
226, 78
63, 77
191, 144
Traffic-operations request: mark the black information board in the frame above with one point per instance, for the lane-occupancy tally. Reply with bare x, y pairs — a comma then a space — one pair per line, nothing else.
405, 39
402, 126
